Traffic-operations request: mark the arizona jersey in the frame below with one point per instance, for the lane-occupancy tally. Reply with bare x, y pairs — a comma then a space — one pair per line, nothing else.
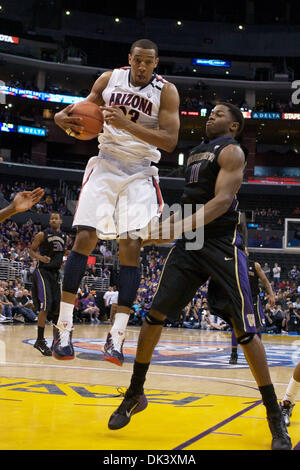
200, 180
139, 104
53, 246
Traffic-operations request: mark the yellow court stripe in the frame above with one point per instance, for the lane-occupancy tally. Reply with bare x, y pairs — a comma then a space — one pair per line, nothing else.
172, 420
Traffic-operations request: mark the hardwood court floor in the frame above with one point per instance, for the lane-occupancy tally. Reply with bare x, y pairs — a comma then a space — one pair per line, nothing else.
197, 401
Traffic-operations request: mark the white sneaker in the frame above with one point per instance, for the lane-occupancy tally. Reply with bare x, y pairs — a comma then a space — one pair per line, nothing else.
4, 319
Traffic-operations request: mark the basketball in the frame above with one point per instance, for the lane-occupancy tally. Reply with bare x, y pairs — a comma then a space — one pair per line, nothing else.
92, 119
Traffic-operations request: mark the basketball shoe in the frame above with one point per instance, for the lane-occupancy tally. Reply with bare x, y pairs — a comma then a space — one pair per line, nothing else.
41, 345
280, 437
113, 348
130, 405
62, 347
287, 409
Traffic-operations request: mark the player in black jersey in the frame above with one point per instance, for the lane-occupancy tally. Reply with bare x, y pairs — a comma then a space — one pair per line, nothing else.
214, 175
256, 274
48, 248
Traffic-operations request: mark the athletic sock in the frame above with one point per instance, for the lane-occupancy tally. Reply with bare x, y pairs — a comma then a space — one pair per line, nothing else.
41, 330
138, 378
66, 314
118, 329
269, 399
291, 391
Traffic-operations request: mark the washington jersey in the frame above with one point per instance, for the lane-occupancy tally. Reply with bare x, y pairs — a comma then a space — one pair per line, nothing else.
53, 246
139, 104
200, 180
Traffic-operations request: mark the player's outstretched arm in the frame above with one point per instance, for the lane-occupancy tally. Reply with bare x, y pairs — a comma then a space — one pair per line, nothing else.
22, 202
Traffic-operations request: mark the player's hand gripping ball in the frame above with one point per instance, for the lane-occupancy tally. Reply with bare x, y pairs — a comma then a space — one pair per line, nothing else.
92, 119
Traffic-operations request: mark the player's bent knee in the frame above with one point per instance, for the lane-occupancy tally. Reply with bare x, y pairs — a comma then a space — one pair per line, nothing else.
245, 339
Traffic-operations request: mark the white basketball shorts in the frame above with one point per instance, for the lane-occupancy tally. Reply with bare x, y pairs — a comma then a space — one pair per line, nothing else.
116, 199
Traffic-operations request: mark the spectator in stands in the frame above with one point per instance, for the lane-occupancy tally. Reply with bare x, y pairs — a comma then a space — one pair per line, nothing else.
294, 273
114, 296
26, 299
266, 269
270, 325
206, 320
102, 248
293, 319
93, 272
191, 318
90, 308
136, 317
84, 292
296, 304
107, 255
106, 272
276, 274
20, 313
107, 301
280, 318
6, 306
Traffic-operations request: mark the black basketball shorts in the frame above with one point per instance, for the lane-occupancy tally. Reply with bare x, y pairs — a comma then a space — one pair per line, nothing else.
225, 264
46, 291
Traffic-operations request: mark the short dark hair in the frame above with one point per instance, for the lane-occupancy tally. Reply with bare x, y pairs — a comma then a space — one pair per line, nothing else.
145, 44
237, 115
56, 212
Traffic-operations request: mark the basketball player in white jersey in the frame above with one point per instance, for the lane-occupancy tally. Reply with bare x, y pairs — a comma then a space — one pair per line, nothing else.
120, 194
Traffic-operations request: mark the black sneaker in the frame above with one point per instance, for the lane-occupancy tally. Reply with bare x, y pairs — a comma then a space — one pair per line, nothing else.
112, 352
281, 439
287, 409
233, 358
131, 405
62, 347
41, 345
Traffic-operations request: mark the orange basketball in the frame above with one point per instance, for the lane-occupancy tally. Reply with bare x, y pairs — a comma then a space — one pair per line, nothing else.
92, 119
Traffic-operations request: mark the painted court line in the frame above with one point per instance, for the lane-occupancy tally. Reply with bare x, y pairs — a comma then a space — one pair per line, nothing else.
217, 426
